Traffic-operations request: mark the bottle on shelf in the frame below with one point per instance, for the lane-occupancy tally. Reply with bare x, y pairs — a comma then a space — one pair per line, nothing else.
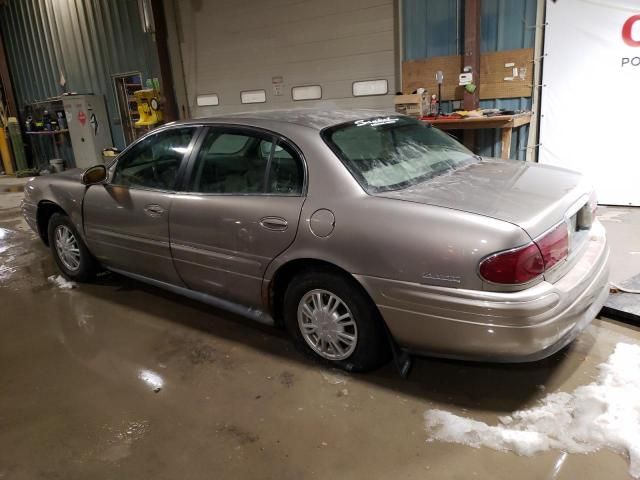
433, 111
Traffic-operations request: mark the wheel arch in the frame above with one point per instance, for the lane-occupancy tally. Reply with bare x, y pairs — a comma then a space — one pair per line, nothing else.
46, 209
287, 271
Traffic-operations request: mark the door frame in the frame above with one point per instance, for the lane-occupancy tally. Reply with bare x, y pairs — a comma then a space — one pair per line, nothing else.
182, 187
194, 145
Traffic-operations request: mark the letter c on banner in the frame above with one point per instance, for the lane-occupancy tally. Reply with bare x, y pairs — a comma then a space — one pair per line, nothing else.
627, 30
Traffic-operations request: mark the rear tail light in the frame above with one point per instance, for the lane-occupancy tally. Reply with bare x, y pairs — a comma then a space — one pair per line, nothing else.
516, 266
554, 245
521, 265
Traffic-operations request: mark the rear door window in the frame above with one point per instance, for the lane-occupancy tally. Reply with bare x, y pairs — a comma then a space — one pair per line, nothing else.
245, 163
231, 163
286, 174
229, 143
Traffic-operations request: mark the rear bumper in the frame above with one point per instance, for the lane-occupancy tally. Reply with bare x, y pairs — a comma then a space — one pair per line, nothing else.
493, 326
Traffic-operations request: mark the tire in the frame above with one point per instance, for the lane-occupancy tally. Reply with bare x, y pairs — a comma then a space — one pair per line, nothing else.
370, 349
87, 266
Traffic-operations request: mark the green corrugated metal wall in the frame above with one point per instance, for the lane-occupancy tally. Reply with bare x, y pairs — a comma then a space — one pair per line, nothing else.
85, 40
432, 28
436, 27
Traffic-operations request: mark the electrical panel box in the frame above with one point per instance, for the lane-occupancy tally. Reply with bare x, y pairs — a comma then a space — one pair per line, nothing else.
89, 128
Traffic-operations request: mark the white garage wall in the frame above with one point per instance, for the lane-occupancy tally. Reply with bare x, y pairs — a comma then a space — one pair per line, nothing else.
229, 46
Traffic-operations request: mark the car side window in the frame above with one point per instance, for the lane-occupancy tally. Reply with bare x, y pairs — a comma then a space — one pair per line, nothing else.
154, 162
286, 174
244, 163
231, 162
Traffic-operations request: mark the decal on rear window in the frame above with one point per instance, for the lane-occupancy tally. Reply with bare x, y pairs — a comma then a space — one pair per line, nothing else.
374, 122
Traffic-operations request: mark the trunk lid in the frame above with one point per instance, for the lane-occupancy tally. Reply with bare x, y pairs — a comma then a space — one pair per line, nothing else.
534, 197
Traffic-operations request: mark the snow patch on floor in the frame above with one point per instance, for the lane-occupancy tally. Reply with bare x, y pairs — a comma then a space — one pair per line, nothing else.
606, 215
334, 378
61, 282
603, 414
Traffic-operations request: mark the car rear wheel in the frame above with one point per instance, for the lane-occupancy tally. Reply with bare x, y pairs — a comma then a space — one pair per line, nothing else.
333, 319
69, 251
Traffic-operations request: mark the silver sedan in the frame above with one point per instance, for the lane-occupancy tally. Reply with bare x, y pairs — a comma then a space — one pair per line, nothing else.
363, 234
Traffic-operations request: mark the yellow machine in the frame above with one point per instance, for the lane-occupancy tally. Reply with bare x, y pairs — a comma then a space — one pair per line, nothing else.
148, 101
5, 153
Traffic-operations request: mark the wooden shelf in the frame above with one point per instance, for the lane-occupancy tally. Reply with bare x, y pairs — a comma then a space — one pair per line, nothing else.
497, 121
48, 132
48, 100
504, 122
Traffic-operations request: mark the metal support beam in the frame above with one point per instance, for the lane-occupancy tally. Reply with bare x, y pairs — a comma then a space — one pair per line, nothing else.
534, 129
472, 50
170, 109
398, 44
175, 38
9, 97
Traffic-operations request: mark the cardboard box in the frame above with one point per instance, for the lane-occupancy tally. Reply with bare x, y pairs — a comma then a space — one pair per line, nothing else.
416, 105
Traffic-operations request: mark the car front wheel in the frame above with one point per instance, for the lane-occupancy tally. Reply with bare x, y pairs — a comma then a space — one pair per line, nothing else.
69, 251
331, 317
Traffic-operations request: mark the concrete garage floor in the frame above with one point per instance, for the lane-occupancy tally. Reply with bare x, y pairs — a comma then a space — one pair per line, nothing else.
78, 369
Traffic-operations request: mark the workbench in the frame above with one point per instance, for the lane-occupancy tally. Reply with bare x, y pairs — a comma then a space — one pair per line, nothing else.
42, 153
504, 122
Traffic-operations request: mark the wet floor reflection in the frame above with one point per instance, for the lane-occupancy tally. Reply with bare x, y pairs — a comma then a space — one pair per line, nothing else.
12, 189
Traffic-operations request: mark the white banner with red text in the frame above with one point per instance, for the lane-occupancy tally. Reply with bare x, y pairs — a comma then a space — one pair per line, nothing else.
590, 104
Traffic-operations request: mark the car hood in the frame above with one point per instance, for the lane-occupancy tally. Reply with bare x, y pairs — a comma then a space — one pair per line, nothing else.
532, 196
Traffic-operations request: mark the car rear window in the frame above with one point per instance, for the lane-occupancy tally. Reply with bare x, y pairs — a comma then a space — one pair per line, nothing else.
392, 153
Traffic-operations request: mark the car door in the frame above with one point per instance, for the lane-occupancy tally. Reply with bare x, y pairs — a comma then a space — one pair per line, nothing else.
239, 209
126, 221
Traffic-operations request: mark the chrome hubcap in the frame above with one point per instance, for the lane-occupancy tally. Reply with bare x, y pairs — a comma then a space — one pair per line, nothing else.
67, 247
327, 325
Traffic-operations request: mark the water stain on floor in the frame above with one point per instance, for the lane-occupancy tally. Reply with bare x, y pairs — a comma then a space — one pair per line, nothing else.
12, 189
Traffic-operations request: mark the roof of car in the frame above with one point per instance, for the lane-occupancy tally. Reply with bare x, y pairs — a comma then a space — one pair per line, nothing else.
306, 117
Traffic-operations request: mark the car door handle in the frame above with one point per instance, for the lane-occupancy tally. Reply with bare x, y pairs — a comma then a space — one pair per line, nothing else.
274, 223
153, 210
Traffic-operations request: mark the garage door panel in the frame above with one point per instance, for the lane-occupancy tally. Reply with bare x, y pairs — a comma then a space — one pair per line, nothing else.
363, 22
349, 67
229, 92
255, 15
236, 57
334, 27
333, 92
376, 102
327, 43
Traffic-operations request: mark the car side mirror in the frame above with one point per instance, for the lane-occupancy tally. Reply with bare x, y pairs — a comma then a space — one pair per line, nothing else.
95, 175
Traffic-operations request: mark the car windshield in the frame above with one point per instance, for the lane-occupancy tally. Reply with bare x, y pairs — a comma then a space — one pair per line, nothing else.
392, 153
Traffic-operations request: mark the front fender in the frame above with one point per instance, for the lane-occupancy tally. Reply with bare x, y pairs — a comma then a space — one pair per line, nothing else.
65, 191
